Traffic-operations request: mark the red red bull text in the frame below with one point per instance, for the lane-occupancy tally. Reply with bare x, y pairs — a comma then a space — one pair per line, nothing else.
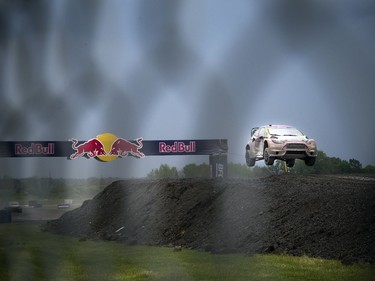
177, 147
35, 149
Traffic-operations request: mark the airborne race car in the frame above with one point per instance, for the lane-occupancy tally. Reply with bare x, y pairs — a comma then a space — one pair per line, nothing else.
281, 142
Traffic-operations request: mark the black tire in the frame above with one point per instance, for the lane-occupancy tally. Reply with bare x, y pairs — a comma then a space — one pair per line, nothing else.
290, 162
249, 161
310, 161
268, 160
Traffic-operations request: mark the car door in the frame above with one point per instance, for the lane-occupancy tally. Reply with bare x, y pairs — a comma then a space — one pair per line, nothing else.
258, 140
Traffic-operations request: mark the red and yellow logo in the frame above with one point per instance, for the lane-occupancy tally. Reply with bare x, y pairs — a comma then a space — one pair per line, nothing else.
107, 147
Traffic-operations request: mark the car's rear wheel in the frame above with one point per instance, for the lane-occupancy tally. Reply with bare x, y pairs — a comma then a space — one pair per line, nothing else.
290, 162
310, 161
267, 159
249, 161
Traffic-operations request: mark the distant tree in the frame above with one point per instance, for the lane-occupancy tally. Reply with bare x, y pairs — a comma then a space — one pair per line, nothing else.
58, 188
328, 165
301, 168
355, 165
323, 165
163, 172
369, 169
196, 171
236, 170
152, 174
260, 171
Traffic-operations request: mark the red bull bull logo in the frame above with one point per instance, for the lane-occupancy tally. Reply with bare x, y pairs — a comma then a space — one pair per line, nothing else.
90, 148
122, 148
107, 147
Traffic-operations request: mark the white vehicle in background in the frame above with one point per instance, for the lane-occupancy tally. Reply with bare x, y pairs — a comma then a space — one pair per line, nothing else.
14, 206
281, 142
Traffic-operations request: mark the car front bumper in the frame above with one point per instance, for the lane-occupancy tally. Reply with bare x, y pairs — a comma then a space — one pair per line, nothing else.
298, 150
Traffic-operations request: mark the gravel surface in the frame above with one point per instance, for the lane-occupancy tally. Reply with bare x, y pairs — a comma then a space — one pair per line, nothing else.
329, 217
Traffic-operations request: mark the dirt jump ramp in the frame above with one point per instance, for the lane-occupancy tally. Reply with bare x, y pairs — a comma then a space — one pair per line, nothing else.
330, 217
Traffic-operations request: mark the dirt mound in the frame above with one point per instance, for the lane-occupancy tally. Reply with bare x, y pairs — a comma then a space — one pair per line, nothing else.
320, 216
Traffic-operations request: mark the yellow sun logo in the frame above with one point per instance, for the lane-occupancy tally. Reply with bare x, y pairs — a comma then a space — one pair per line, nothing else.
107, 139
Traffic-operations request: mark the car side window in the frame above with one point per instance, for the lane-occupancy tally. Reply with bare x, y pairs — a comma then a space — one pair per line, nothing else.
256, 134
262, 132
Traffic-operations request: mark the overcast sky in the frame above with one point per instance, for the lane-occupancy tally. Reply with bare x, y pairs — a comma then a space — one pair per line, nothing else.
184, 70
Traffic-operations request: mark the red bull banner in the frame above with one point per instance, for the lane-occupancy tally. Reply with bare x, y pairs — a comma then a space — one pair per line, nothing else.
107, 147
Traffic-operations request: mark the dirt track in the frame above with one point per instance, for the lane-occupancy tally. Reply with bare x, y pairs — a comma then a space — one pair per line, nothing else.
320, 216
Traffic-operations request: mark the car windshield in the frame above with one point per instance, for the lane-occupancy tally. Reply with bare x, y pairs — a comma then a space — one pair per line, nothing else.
284, 132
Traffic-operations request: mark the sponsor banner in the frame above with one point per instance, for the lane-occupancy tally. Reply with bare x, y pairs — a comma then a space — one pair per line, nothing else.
107, 147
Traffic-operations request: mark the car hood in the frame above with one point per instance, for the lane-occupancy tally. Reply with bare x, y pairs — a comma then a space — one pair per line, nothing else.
291, 138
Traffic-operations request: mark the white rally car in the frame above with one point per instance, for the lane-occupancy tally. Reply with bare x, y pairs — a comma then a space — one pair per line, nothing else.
281, 142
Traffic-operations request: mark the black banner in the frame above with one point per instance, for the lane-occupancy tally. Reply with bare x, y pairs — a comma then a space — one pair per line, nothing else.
145, 147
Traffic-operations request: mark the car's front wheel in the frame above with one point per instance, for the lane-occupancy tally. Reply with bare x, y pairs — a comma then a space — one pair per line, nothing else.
310, 161
249, 161
267, 159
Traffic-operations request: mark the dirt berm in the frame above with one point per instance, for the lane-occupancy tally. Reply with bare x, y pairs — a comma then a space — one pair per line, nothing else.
330, 217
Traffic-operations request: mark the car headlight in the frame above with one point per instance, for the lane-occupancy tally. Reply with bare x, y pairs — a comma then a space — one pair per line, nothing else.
277, 141
310, 142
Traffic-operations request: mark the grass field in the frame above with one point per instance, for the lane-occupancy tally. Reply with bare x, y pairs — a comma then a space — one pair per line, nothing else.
27, 253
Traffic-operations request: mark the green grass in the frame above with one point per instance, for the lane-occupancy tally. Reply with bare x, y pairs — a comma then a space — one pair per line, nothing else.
26, 253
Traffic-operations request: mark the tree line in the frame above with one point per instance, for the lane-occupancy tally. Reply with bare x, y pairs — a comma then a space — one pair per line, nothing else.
323, 165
